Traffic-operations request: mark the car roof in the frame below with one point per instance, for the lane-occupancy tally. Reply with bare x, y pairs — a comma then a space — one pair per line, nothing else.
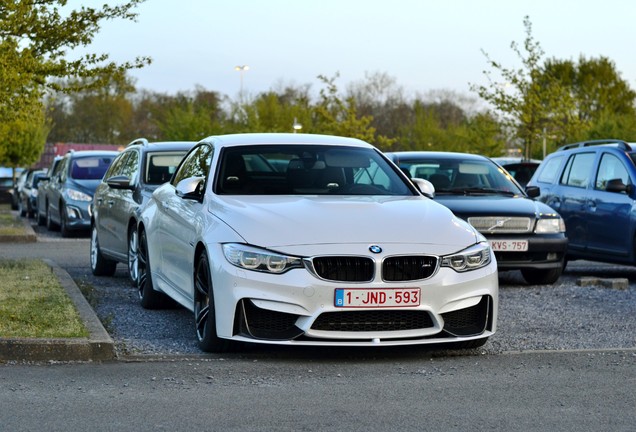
620, 144
507, 160
161, 145
233, 140
85, 153
405, 155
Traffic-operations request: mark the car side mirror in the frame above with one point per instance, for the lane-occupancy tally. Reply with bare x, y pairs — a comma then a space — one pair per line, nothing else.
191, 188
617, 185
533, 191
424, 186
119, 182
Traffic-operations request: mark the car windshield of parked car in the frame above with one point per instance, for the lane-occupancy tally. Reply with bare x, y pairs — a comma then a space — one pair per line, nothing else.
161, 166
307, 169
462, 176
90, 168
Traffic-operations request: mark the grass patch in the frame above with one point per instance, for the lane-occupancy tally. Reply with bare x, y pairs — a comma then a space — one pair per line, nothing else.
33, 304
9, 225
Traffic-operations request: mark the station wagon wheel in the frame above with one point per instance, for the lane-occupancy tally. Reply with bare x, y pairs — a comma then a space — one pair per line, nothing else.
64, 221
133, 252
100, 266
148, 296
50, 225
204, 312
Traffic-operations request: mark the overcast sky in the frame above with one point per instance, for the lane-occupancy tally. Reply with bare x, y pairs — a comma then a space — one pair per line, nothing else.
425, 45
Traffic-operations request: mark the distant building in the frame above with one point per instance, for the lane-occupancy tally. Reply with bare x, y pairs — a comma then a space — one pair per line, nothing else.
58, 149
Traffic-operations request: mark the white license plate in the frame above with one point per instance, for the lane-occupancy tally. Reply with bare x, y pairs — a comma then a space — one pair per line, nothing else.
509, 245
391, 297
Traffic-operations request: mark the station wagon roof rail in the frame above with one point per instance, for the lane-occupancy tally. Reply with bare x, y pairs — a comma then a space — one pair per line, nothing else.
620, 143
142, 141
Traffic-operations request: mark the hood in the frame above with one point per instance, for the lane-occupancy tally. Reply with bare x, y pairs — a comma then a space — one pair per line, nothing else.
276, 221
494, 205
86, 186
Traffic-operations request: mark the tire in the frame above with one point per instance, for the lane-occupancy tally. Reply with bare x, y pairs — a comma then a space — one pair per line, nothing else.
50, 225
100, 266
64, 222
542, 276
148, 296
133, 255
204, 312
41, 219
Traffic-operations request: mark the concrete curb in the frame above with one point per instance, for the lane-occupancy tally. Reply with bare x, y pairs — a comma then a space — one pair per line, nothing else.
28, 236
97, 347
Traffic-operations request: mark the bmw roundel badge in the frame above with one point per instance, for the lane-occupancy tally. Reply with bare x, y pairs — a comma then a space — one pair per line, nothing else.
375, 249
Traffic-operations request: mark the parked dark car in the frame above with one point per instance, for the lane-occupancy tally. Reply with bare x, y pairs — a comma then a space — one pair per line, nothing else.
520, 168
70, 190
27, 204
525, 235
6, 189
127, 184
591, 184
43, 187
9, 190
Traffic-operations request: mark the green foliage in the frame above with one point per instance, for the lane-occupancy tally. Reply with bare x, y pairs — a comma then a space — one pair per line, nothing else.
433, 129
22, 137
99, 115
531, 102
335, 116
35, 37
558, 101
187, 116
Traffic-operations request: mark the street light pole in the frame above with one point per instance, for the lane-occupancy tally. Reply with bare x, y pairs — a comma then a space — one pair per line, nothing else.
241, 69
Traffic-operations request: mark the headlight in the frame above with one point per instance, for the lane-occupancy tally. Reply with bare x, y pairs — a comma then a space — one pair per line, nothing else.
77, 195
475, 257
550, 226
251, 258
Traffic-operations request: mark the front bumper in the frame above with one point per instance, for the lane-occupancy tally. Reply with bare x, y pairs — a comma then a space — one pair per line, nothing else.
297, 308
544, 252
78, 217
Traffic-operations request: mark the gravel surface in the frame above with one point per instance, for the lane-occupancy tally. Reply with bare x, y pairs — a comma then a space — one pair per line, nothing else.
563, 316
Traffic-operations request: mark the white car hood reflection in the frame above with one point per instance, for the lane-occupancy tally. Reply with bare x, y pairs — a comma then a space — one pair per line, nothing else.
275, 221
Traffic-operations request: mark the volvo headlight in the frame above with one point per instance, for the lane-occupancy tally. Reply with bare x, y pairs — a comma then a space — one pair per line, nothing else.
550, 226
475, 257
77, 195
251, 258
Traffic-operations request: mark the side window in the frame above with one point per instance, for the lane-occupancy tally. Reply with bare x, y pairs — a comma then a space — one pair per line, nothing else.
549, 170
578, 169
115, 168
610, 168
62, 169
196, 164
130, 168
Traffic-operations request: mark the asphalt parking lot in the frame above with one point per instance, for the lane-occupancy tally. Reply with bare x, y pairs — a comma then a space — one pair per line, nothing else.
563, 359
563, 316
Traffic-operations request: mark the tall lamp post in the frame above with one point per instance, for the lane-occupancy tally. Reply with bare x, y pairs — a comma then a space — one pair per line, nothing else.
241, 69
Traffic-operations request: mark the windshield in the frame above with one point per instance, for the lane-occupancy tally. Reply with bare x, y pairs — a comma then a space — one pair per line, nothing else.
90, 168
307, 169
462, 176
